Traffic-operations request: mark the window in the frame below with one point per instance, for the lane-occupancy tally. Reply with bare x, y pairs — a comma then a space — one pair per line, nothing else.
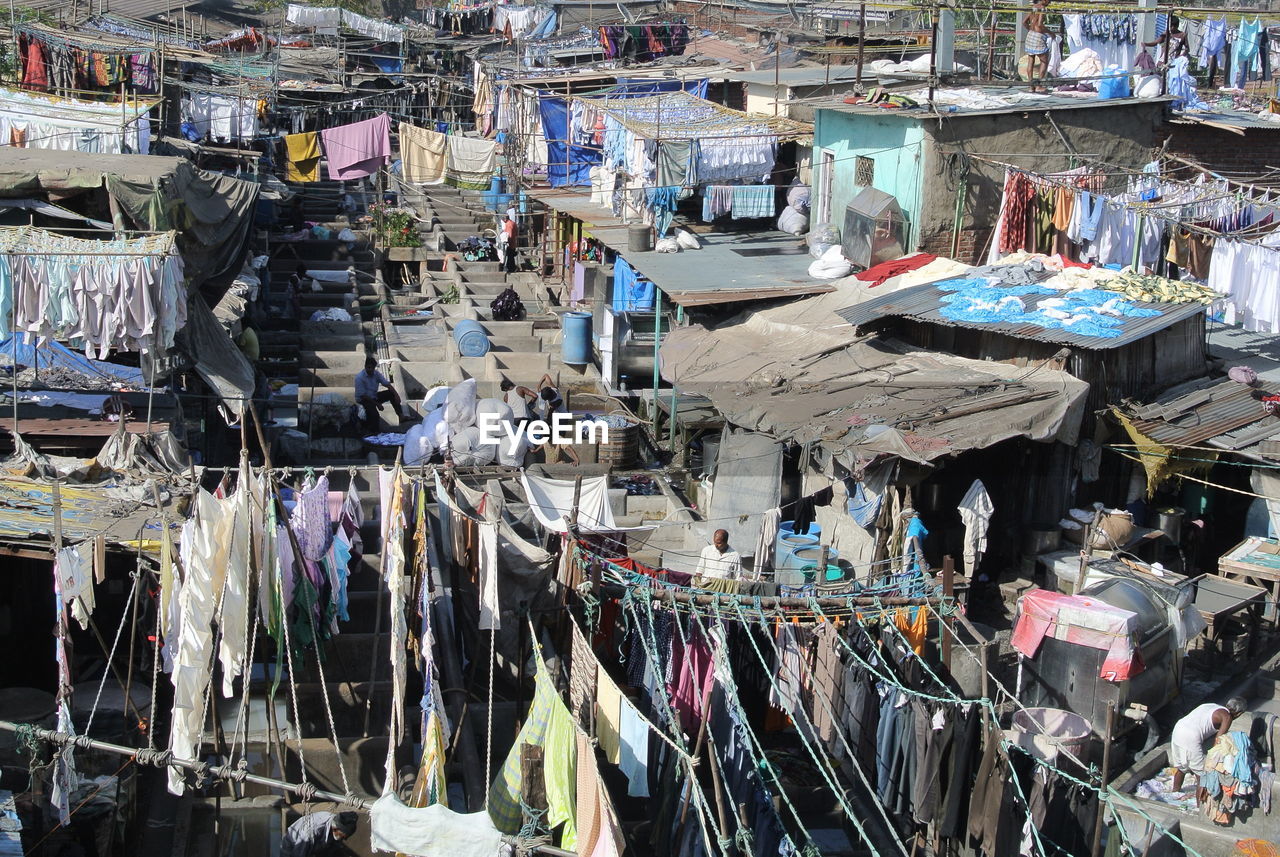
864, 172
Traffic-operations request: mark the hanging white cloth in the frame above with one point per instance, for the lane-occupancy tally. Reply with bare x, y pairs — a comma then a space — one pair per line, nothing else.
975, 510
75, 576
432, 831
767, 541
233, 609
490, 615
551, 501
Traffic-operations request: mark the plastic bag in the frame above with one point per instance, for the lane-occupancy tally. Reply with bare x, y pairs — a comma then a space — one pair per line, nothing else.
467, 450
822, 238
792, 222
512, 450
436, 429
687, 239
460, 407
436, 397
667, 245
418, 447
496, 407
831, 266
798, 197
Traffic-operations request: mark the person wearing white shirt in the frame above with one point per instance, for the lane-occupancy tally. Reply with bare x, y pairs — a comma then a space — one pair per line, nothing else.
717, 561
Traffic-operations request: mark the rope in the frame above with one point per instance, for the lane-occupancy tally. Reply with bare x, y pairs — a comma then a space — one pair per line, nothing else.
696, 792
819, 760
111, 657
328, 708
155, 671
488, 734
31, 745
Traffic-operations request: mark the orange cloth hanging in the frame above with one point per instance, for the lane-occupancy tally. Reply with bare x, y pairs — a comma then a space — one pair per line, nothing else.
915, 630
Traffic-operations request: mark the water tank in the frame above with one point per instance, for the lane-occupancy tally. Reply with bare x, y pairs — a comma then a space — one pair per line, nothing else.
471, 338
639, 238
575, 348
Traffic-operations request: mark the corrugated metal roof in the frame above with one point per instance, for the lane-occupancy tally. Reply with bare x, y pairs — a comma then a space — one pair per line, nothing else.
1236, 120
1208, 409
923, 303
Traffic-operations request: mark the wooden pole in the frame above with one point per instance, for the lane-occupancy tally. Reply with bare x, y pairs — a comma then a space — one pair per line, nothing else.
1096, 851
533, 790
862, 40
948, 592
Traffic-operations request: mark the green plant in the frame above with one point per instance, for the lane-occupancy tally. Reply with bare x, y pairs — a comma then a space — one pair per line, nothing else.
395, 227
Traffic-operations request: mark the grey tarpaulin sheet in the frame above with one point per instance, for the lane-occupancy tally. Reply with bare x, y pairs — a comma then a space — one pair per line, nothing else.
748, 484
216, 357
812, 381
212, 213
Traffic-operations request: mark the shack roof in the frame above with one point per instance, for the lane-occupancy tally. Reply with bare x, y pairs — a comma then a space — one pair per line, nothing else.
1236, 121
1218, 412
796, 372
747, 266
980, 101
683, 116
925, 302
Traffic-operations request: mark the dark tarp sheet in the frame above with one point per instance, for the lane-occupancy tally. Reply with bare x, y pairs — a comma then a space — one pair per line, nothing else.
216, 357
212, 213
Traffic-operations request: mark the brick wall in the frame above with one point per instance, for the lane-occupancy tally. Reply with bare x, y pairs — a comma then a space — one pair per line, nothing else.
1218, 149
973, 244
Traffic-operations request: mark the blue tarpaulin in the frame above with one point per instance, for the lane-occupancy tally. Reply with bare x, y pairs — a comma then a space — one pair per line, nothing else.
569, 163
631, 292
16, 350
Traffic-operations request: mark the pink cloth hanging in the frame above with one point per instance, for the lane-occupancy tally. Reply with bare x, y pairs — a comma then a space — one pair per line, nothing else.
359, 149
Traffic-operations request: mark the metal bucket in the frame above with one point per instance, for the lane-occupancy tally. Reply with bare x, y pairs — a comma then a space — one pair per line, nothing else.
1046, 732
1169, 521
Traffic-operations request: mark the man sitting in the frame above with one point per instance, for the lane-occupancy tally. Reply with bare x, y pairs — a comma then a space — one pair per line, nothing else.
371, 396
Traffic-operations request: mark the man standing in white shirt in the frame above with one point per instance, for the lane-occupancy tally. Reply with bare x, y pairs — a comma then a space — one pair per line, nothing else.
717, 561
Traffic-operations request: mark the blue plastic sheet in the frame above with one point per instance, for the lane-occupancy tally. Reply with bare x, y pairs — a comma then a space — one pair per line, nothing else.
631, 292
1087, 312
49, 354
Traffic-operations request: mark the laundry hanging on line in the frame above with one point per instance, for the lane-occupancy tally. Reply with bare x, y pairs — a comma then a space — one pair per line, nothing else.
127, 295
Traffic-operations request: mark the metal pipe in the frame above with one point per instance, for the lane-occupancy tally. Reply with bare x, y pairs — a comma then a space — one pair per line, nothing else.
163, 758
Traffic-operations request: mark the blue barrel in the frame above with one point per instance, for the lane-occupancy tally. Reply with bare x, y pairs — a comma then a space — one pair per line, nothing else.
471, 338
575, 347
790, 527
811, 557
786, 545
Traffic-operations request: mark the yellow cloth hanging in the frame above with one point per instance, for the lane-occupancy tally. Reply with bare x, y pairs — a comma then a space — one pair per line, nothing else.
422, 154
608, 713
303, 152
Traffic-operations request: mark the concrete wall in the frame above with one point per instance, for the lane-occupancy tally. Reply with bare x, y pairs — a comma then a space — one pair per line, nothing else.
894, 143
1120, 134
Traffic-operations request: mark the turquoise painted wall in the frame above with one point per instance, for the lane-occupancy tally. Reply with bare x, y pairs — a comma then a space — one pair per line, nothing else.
895, 143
